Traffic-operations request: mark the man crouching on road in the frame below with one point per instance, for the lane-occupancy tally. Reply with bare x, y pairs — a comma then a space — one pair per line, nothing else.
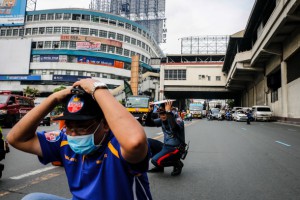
103, 148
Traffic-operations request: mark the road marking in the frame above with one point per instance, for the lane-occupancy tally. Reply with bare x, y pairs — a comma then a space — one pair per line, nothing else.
244, 129
283, 143
292, 130
32, 173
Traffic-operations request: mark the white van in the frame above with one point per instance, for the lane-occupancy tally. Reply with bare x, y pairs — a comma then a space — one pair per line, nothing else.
263, 113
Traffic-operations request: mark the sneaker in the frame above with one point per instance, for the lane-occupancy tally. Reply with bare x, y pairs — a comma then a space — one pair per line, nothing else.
177, 169
156, 169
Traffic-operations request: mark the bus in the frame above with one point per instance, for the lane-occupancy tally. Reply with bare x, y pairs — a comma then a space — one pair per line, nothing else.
138, 106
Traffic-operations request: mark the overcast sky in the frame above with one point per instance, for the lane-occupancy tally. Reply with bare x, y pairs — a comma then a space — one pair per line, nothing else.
186, 17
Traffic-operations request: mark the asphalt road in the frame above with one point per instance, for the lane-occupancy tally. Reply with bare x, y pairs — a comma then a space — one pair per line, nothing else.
227, 160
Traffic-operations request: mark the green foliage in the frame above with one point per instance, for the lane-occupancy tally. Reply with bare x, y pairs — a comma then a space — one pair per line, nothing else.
30, 92
230, 103
60, 107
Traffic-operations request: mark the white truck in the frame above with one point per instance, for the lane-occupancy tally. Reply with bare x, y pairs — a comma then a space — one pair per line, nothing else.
196, 110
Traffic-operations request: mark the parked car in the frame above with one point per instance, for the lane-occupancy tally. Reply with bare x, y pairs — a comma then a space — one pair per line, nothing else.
240, 115
263, 113
213, 114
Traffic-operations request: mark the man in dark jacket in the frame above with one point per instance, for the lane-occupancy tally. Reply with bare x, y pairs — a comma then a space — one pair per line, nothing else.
167, 153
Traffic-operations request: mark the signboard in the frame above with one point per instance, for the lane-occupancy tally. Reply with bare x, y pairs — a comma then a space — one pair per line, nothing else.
88, 45
12, 12
68, 78
95, 60
79, 38
49, 58
20, 78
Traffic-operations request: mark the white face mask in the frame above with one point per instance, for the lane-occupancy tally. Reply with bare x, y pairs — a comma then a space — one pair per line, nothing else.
84, 144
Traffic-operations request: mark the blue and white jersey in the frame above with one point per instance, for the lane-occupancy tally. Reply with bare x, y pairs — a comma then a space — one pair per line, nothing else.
103, 175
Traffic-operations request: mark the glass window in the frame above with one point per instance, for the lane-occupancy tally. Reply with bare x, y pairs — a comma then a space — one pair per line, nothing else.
64, 44
84, 31
86, 17
119, 50
36, 17
72, 45
3, 32
48, 44
112, 35
112, 22
49, 30
74, 30
132, 53
21, 32
103, 47
104, 20
55, 44
66, 30
128, 26
8, 32
50, 16
208, 78
126, 52
40, 45
143, 45
28, 31
35, 31
67, 16
127, 39
218, 78
121, 24
139, 43
42, 30
94, 32
29, 18
120, 37
103, 33
15, 32
76, 17
95, 19
57, 30
43, 17
111, 49
133, 41
139, 31
134, 28
58, 16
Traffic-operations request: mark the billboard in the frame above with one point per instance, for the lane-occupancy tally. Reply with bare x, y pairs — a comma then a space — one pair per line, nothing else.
91, 39
12, 12
68, 78
88, 46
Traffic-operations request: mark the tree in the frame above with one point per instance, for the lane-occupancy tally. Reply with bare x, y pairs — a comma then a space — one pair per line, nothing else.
30, 92
60, 107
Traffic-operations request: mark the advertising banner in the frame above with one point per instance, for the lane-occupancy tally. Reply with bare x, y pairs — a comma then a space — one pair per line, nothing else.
119, 64
88, 46
68, 78
12, 12
20, 78
95, 60
92, 39
49, 58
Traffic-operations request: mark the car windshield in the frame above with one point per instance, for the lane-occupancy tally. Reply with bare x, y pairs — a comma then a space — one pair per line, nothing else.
137, 102
215, 111
264, 109
3, 99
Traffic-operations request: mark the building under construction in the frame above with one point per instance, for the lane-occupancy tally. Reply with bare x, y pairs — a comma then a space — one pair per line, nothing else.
148, 13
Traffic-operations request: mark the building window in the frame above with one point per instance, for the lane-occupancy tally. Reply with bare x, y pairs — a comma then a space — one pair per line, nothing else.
48, 44
127, 39
112, 22
133, 41
126, 52
28, 31
42, 30
66, 30
128, 26
208, 78
58, 16
86, 17
120, 37
67, 16
21, 32
175, 74
103, 47
94, 32
64, 44
72, 45
76, 17
119, 50
111, 49
43, 17
36, 17
121, 24
134, 28
29, 18
103, 33
55, 44
218, 78
84, 31
15, 32
34, 31
50, 16
74, 30
57, 30
104, 20
49, 30
112, 35
2, 33
40, 45
95, 19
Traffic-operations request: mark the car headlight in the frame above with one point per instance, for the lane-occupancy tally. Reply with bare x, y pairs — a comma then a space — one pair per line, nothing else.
3, 112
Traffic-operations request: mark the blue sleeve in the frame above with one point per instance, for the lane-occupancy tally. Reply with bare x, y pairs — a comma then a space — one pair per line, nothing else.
50, 145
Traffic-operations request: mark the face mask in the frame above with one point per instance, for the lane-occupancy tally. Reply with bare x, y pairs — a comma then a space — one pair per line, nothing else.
83, 144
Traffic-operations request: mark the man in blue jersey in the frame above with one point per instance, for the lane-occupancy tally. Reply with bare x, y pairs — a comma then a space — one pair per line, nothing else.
102, 147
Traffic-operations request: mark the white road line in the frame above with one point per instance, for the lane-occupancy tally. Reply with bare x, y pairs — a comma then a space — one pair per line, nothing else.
244, 129
292, 130
32, 173
283, 143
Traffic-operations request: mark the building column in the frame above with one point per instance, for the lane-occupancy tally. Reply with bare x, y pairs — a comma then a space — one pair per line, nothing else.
162, 82
284, 93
